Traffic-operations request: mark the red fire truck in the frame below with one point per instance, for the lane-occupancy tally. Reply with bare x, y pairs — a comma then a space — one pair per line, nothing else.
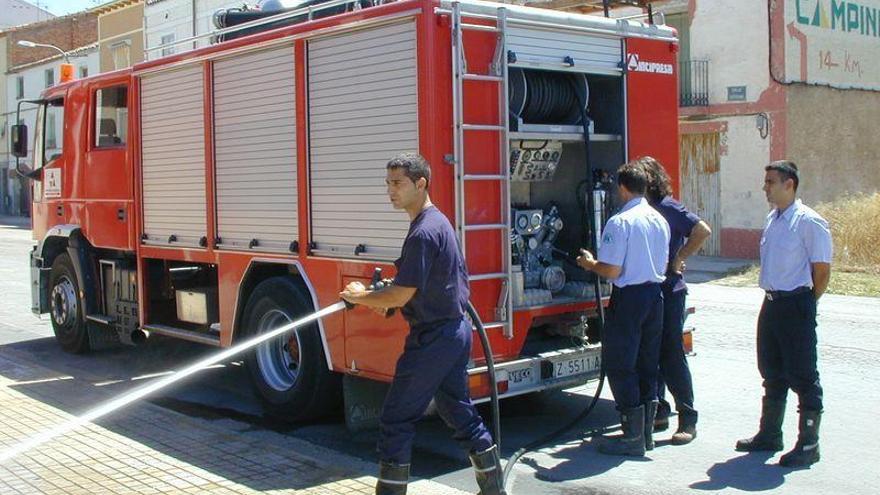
222, 192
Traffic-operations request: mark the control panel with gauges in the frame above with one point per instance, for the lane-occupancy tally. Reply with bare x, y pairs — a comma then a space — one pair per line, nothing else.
534, 161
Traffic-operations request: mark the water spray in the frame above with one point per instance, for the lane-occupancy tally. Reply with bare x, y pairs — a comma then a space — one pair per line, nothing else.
142, 392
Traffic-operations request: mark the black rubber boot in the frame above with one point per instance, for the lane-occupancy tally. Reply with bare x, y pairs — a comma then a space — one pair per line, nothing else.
650, 413
661, 420
392, 478
687, 430
806, 450
632, 442
769, 437
487, 468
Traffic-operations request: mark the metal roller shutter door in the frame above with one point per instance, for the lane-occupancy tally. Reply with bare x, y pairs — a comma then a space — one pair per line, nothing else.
363, 110
255, 150
173, 156
537, 47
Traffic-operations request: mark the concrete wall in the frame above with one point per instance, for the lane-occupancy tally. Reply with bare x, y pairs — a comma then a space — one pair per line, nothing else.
734, 41
125, 25
832, 136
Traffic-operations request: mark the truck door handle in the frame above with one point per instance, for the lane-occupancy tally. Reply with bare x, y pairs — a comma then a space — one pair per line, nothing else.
60, 210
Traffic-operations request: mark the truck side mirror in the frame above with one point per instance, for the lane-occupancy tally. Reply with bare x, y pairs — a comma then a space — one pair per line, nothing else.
19, 137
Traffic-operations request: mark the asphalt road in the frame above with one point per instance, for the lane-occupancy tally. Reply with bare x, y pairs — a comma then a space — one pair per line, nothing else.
726, 381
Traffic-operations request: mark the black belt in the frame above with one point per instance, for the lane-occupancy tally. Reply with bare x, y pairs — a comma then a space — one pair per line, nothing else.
773, 295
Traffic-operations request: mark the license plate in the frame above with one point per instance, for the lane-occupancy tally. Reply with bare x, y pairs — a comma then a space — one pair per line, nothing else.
524, 375
576, 366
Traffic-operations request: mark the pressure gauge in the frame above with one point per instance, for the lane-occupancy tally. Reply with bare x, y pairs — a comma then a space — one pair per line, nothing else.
522, 223
536, 221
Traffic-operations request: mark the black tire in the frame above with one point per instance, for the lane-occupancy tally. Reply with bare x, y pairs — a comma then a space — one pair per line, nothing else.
65, 307
293, 382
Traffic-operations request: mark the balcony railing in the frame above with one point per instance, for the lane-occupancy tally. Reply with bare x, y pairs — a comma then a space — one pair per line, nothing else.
693, 83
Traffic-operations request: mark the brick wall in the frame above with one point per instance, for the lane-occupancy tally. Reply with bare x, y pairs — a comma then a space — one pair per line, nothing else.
66, 32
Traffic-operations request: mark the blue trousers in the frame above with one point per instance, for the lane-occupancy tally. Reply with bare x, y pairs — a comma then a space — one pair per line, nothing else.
787, 350
631, 343
433, 366
674, 370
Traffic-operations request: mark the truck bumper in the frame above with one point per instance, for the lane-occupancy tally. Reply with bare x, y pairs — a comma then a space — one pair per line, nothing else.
550, 370
39, 283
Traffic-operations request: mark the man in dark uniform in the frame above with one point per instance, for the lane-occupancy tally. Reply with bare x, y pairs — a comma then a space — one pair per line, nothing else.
674, 370
431, 287
632, 255
796, 252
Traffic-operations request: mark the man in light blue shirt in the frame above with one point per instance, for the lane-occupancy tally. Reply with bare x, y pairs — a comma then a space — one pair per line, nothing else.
796, 257
633, 255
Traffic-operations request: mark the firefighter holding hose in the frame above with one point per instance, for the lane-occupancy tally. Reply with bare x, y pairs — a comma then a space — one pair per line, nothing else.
431, 288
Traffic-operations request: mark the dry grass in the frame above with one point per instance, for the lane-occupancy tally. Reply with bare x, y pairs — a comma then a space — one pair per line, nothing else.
843, 282
855, 228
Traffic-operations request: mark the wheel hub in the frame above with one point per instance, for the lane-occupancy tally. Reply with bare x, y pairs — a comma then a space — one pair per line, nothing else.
278, 359
64, 303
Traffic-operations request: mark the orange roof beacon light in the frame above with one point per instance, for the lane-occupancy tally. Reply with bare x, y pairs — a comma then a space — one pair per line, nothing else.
66, 67
66, 72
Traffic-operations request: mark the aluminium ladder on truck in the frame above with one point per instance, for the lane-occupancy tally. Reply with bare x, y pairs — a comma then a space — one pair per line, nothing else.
497, 76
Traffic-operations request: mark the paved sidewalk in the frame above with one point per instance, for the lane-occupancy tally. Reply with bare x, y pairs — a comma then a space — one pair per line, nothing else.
146, 449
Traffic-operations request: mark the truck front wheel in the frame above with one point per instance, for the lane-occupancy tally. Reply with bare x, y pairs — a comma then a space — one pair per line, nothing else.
289, 372
65, 308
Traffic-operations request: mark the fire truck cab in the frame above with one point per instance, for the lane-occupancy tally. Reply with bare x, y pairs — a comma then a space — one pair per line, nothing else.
224, 191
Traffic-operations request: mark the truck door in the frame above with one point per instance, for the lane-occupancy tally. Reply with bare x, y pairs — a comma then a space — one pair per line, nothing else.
107, 175
50, 193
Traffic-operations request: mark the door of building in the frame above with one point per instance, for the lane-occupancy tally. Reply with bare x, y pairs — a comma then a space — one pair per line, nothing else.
701, 183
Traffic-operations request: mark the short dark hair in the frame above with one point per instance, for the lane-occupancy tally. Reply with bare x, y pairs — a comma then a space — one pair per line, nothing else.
659, 182
414, 166
633, 177
787, 169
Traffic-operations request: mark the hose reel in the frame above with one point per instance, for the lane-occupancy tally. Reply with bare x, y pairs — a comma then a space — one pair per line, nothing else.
546, 101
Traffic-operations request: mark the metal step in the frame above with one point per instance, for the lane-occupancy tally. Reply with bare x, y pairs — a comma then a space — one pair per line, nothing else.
180, 333
103, 319
482, 127
487, 276
486, 226
479, 27
484, 177
481, 77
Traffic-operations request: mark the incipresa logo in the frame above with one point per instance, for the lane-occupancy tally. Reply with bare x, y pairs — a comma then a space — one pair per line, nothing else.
636, 65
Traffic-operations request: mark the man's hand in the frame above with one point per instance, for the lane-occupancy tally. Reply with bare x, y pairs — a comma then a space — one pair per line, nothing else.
586, 260
353, 291
678, 265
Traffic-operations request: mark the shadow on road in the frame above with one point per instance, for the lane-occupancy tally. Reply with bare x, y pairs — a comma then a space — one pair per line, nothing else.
749, 472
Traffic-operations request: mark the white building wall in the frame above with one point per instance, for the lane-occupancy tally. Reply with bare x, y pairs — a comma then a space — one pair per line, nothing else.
743, 157
732, 36
34, 84
176, 17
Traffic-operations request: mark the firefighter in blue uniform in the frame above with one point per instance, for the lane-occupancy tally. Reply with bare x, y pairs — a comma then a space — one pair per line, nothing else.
796, 252
431, 287
633, 255
674, 370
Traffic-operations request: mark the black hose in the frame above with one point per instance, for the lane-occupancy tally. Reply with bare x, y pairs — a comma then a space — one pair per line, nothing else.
487, 348
490, 366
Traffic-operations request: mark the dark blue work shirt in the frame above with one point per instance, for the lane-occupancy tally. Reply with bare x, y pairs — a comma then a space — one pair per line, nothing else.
432, 263
681, 223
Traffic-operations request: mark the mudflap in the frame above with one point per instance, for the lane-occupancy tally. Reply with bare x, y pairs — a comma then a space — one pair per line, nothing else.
363, 400
101, 336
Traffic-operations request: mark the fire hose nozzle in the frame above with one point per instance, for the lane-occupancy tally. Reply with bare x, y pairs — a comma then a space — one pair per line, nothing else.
376, 283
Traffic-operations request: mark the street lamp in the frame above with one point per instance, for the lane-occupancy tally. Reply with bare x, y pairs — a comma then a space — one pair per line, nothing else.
31, 44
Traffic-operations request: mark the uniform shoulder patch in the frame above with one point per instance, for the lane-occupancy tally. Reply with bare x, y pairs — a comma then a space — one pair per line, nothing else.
607, 238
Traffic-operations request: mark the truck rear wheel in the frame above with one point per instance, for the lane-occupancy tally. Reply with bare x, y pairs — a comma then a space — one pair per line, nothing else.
65, 307
289, 372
